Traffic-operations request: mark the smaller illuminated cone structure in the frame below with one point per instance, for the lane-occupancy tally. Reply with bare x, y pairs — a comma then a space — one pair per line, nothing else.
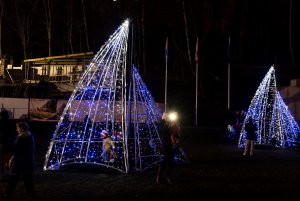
271, 115
145, 147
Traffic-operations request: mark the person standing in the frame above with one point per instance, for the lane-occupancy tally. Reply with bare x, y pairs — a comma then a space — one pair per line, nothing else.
22, 162
175, 133
178, 151
250, 129
7, 137
167, 164
108, 147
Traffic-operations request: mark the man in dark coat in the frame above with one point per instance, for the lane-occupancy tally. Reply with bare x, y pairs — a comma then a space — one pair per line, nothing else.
22, 162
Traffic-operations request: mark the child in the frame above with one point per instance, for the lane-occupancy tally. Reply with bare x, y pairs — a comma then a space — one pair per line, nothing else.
107, 147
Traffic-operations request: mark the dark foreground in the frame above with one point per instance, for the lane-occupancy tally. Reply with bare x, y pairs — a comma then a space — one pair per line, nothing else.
217, 172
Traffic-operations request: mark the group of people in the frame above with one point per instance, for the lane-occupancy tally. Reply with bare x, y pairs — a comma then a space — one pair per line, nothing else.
170, 145
17, 155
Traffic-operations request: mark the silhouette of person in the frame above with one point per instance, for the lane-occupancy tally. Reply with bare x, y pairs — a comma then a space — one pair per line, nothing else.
250, 129
231, 125
167, 164
178, 151
7, 137
22, 162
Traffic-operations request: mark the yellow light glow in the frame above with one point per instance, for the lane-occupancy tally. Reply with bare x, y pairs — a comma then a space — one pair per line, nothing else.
173, 116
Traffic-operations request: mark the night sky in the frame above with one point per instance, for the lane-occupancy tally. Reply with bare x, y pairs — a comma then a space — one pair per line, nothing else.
260, 32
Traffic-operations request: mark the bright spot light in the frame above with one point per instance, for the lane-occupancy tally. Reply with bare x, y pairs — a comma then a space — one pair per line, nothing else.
173, 116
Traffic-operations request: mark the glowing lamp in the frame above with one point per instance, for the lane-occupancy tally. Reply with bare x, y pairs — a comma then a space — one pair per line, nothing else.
173, 116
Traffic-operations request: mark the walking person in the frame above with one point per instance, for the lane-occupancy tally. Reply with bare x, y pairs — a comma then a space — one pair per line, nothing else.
178, 152
250, 129
7, 137
21, 164
167, 164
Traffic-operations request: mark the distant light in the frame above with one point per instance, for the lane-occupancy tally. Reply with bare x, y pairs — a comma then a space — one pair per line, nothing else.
173, 116
114, 0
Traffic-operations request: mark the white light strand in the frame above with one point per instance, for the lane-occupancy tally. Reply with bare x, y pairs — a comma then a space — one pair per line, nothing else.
271, 115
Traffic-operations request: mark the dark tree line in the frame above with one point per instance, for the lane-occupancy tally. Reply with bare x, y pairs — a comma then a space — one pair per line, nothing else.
39, 28
262, 33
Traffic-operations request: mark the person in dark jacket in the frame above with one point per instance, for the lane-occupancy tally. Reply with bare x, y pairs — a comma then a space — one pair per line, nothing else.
22, 162
7, 137
250, 129
167, 164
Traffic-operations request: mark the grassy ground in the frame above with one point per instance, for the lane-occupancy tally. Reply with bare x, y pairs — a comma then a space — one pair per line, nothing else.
217, 172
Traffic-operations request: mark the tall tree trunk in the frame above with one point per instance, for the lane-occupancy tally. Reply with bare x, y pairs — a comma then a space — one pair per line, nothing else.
1, 16
290, 34
187, 36
85, 27
48, 23
143, 36
23, 23
70, 25
22, 26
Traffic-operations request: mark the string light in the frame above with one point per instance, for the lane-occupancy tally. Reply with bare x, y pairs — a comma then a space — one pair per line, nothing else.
272, 117
99, 103
146, 116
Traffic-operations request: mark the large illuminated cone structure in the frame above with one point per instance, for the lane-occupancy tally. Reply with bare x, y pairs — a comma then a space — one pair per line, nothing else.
272, 117
104, 99
98, 103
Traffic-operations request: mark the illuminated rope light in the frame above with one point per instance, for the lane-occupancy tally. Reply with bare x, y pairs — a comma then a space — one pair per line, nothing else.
146, 116
99, 103
271, 115
96, 104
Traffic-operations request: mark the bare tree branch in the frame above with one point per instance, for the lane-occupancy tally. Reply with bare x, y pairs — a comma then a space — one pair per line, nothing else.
70, 24
24, 20
48, 17
187, 37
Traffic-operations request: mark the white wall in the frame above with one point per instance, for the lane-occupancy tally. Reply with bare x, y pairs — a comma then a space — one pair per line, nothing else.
16, 107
